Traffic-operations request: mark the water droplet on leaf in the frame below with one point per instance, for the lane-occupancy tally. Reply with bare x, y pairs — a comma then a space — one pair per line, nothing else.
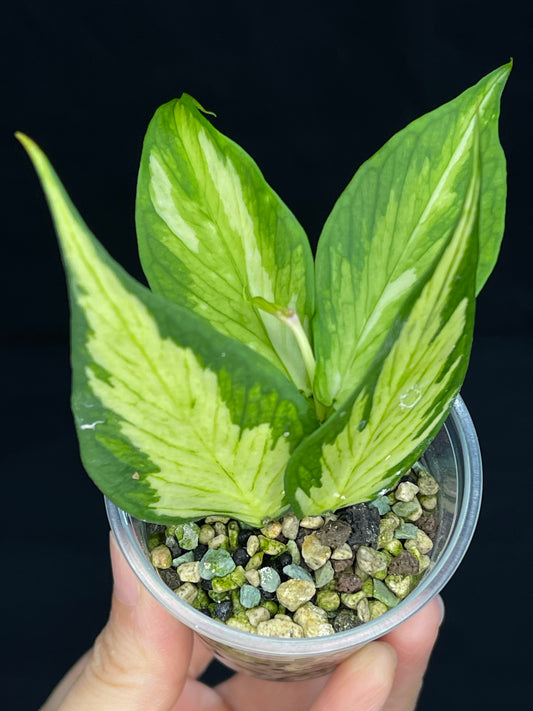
410, 398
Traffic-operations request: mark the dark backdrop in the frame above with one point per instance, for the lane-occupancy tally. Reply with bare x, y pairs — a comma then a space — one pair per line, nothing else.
310, 90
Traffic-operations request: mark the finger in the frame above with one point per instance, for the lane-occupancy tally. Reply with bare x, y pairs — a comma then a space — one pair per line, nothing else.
362, 682
243, 692
200, 659
199, 697
413, 642
139, 660
65, 685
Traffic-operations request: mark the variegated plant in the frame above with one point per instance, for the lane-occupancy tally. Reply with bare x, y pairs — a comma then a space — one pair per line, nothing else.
247, 379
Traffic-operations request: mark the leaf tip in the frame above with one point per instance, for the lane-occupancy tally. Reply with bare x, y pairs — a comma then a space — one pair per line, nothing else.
187, 98
25, 141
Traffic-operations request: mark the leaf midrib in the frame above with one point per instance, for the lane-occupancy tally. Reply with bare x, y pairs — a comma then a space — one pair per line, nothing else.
207, 211
431, 200
153, 369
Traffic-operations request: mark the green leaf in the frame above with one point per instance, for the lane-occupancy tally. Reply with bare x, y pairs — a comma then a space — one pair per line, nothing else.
174, 419
391, 417
392, 220
213, 235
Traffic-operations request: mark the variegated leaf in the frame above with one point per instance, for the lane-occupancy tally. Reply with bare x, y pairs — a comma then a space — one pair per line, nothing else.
174, 419
390, 223
390, 419
213, 235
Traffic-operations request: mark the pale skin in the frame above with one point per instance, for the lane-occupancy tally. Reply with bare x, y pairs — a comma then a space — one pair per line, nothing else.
144, 659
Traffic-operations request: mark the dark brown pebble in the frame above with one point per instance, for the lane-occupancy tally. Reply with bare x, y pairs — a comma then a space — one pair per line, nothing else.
404, 564
340, 565
170, 577
429, 524
334, 533
346, 620
349, 583
152, 528
364, 521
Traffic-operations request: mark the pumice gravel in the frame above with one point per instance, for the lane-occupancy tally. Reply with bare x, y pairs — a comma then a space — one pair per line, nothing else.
304, 578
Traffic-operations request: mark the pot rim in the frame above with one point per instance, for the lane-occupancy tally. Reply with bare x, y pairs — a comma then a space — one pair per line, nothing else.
435, 578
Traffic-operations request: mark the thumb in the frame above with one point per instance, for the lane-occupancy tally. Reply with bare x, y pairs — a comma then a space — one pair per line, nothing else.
139, 660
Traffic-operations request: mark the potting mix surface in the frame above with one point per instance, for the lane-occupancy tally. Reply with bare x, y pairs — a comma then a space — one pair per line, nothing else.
305, 577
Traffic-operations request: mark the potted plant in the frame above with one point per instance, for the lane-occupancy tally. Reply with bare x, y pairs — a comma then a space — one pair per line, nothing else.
268, 429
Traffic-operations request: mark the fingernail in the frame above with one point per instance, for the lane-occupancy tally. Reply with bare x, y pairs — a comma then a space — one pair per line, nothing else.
126, 586
442, 608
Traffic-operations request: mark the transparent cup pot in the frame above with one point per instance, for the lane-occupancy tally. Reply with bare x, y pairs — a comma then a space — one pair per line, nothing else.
453, 459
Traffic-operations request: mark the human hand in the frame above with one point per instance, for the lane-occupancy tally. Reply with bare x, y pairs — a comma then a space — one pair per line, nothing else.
144, 659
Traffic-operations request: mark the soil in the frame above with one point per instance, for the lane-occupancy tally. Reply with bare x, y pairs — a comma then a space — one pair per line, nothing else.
309, 577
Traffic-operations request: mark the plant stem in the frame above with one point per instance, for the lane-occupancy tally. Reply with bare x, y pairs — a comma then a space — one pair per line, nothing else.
291, 319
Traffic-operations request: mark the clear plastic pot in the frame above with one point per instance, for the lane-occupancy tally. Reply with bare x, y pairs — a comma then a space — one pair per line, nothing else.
454, 460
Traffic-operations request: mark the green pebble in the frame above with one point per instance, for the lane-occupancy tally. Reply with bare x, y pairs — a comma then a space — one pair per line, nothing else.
201, 601
406, 531
231, 581
270, 580
293, 549
351, 600
270, 546
239, 624
187, 535
297, 573
225, 583
249, 596
185, 558
271, 606
388, 556
381, 503
154, 540
239, 576
216, 563
324, 575
368, 587
235, 596
384, 595
218, 596
404, 509
399, 584
394, 547
233, 534
328, 600
376, 608
332, 585
255, 561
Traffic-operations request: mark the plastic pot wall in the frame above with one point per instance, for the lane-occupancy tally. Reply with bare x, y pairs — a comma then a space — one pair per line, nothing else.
453, 459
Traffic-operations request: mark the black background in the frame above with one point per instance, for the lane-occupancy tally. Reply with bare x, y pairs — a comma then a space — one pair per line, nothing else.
310, 91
